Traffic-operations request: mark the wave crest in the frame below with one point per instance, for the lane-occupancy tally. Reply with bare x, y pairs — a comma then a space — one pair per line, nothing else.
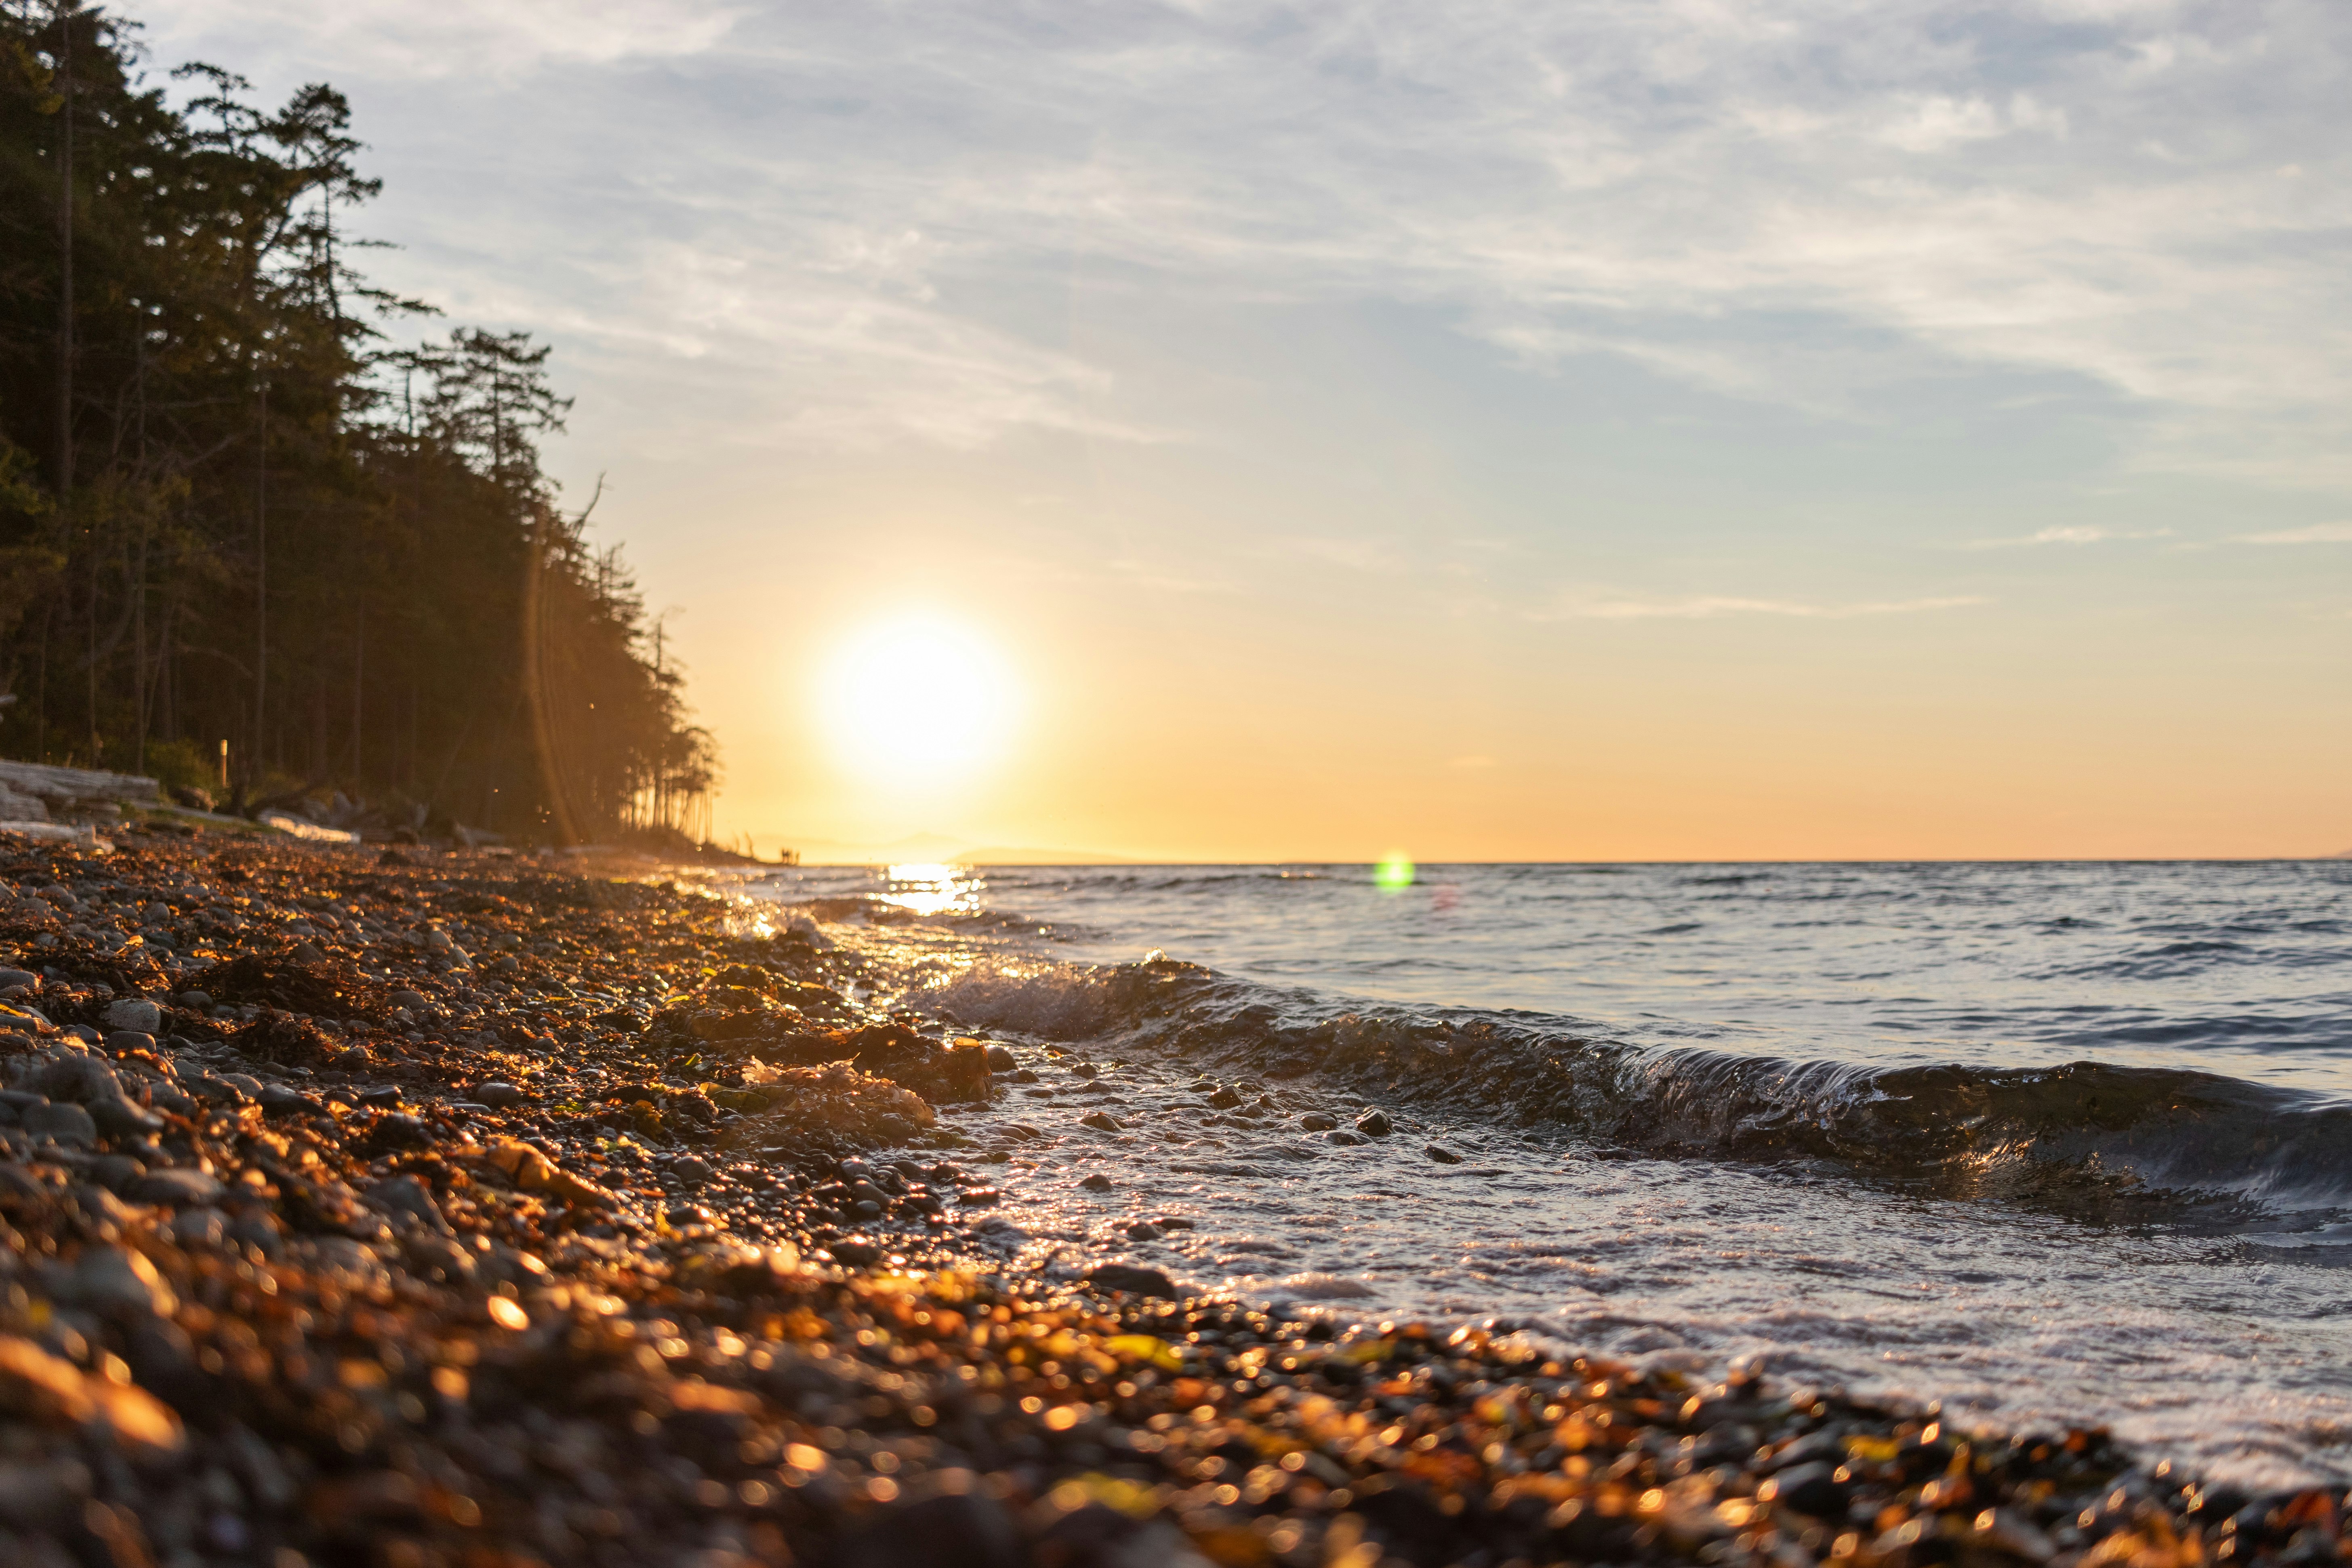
1968, 1130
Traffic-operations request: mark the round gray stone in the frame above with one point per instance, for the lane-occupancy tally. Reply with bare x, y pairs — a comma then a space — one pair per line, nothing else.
134, 1013
59, 1123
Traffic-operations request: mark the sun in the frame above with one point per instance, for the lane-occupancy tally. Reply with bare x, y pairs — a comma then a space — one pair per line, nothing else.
917, 699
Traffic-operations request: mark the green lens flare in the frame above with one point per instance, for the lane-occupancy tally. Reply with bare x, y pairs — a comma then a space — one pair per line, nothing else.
1393, 874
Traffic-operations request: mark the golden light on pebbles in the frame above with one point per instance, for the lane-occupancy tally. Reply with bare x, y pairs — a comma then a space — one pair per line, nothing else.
44, 1387
509, 1314
836, 1097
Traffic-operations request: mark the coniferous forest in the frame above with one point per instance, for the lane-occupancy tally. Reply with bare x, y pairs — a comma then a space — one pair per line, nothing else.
267, 531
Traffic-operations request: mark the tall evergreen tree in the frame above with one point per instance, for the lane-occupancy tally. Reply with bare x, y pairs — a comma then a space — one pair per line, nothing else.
232, 511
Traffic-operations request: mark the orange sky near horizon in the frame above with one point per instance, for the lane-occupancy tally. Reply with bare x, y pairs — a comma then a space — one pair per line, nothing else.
1278, 724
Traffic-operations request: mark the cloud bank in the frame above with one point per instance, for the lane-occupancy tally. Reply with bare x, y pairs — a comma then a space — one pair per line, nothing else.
1794, 202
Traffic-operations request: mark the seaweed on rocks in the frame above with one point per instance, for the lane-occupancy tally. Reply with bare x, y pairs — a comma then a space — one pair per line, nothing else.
287, 983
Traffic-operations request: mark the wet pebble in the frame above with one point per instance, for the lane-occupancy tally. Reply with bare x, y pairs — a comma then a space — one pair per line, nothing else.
1102, 1122
1316, 1121
1443, 1156
1375, 1124
1098, 1183
498, 1095
1135, 1281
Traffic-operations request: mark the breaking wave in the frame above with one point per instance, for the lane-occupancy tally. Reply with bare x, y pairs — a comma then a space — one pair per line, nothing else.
1991, 1130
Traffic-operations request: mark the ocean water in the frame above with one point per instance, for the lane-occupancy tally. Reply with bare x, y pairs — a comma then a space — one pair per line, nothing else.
2049, 1145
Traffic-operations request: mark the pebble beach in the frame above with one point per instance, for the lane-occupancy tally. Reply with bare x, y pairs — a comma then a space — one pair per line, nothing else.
415, 1207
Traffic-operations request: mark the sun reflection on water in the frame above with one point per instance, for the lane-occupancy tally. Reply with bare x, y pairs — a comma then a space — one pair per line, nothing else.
932, 888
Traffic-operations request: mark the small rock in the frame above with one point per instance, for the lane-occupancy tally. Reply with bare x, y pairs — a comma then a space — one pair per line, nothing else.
1375, 1124
276, 1100
1224, 1100
1144, 1230
116, 1282
1024, 1075
1098, 1183
1001, 1060
115, 1172
414, 1001
179, 1186
499, 1095
1102, 1122
1086, 1069
134, 1013
102, 1208
1442, 1156
1135, 1281
218, 1090
59, 1123
1812, 1489
856, 1253
199, 1000
1174, 1222
120, 1117
1316, 1121
121, 1041
10, 979
1343, 1139
172, 1098
408, 1195
691, 1168
200, 1227
307, 952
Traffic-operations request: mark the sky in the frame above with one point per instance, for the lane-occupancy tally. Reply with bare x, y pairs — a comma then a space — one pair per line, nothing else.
1567, 429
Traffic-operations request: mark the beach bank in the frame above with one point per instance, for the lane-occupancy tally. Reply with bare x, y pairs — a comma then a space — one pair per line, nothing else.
411, 1207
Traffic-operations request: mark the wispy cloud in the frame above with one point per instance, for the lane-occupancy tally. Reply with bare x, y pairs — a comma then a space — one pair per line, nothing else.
1708, 606
483, 38
2317, 534
2146, 199
2072, 533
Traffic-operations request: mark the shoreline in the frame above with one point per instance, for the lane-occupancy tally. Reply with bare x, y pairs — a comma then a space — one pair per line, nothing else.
480, 1211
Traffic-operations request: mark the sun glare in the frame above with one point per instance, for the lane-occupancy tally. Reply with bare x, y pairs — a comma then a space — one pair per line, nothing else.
917, 700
